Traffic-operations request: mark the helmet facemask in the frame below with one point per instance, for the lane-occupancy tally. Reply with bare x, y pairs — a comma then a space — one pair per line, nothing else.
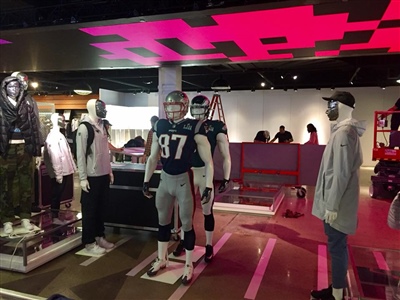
176, 105
200, 107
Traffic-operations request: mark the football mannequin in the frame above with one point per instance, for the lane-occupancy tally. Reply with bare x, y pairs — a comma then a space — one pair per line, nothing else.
95, 177
337, 190
217, 136
177, 138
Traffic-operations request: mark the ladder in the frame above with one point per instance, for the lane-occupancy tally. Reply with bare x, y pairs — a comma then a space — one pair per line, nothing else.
216, 104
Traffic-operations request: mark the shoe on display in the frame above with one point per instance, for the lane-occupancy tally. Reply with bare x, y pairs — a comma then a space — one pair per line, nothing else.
26, 223
93, 248
322, 294
103, 243
179, 249
8, 228
209, 253
187, 275
157, 265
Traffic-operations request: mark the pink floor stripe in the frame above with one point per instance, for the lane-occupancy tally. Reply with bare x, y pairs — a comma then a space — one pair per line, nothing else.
255, 282
182, 289
380, 260
322, 268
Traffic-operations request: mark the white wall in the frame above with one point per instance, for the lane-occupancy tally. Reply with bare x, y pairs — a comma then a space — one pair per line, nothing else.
248, 112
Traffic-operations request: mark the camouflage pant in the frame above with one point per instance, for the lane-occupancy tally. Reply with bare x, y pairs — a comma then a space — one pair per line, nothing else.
16, 184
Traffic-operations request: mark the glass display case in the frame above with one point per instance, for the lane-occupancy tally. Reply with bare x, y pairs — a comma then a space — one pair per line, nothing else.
51, 237
251, 197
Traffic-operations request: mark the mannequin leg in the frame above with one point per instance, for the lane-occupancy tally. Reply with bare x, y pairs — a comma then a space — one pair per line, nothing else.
337, 247
24, 179
57, 189
6, 186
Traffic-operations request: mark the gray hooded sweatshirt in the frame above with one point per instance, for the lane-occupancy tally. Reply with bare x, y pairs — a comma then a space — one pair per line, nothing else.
337, 186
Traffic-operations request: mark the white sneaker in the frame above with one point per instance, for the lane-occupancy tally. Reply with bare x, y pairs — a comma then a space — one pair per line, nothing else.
187, 275
93, 248
8, 228
156, 266
103, 243
26, 223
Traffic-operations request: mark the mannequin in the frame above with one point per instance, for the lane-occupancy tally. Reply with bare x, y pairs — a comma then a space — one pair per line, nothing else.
20, 142
95, 177
23, 78
337, 189
59, 162
177, 138
217, 136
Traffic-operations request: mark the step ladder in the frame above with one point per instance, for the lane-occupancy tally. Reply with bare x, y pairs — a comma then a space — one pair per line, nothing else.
216, 104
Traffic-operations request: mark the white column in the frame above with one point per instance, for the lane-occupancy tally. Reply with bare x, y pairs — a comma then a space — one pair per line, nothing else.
169, 79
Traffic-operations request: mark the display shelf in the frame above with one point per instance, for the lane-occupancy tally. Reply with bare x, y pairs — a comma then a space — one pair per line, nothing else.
53, 237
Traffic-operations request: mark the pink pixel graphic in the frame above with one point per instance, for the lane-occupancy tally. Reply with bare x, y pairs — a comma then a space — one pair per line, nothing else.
3, 42
294, 28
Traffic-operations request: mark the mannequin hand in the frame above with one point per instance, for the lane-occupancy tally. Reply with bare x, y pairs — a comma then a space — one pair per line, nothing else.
223, 186
111, 178
330, 216
38, 161
146, 190
206, 196
85, 185
59, 179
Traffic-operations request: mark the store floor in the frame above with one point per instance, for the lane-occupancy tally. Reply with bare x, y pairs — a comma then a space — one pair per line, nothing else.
259, 257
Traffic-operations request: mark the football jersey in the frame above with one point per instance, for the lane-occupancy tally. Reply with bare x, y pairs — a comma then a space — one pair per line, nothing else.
177, 143
213, 128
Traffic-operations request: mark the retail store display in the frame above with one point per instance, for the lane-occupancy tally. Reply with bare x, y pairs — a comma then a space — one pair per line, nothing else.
95, 176
217, 133
18, 115
337, 190
59, 162
177, 139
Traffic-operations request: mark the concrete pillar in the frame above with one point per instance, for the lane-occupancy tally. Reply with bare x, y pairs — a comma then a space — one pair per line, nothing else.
169, 79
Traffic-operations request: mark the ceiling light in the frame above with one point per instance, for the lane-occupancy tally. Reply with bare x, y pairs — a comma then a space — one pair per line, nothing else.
83, 89
351, 82
383, 88
34, 84
220, 84
282, 77
398, 80
295, 90
294, 77
332, 88
262, 84
271, 87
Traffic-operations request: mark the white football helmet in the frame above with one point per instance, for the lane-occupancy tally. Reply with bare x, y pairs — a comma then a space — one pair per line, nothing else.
176, 105
200, 107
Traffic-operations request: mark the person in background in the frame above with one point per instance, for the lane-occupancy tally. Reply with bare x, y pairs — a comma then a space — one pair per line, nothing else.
283, 136
262, 137
149, 140
313, 135
107, 125
394, 124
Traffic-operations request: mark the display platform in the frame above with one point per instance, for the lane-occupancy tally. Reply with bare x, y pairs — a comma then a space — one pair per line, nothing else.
55, 237
251, 197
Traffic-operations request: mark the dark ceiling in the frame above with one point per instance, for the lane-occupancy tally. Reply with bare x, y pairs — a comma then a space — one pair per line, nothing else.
368, 68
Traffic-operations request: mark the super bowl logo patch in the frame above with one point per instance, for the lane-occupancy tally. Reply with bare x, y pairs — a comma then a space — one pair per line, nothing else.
187, 127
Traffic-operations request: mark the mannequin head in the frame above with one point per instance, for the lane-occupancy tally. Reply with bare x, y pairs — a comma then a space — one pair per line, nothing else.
96, 109
13, 89
23, 78
340, 106
54, 120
